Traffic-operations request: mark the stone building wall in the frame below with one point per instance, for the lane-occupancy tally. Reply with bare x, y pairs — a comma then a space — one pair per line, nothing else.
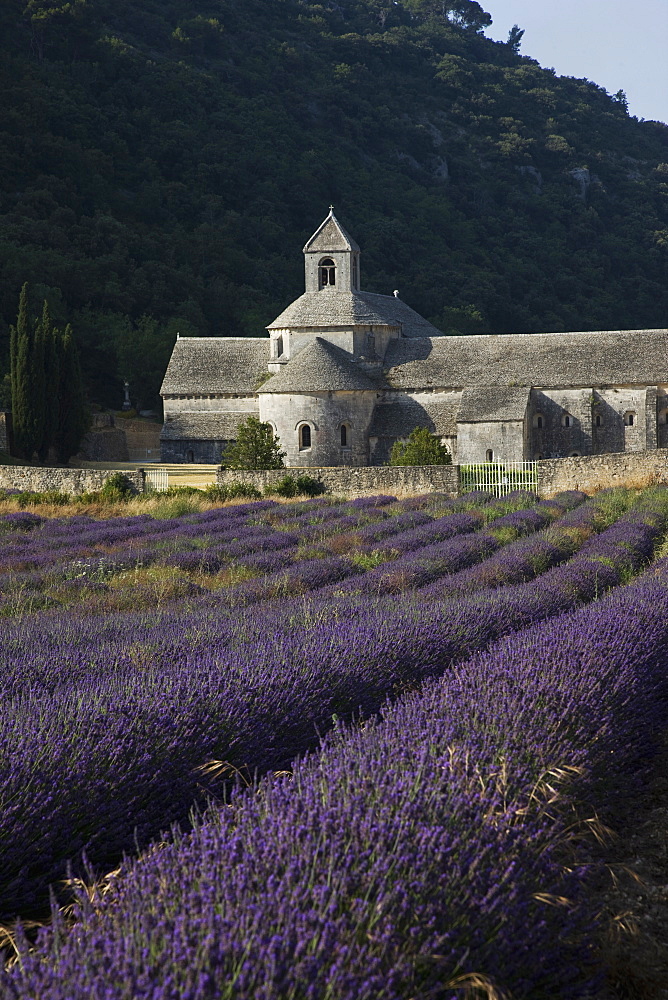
601, 421
364, 481
242, 403
505, 439
324, 412
188, 452
557, 437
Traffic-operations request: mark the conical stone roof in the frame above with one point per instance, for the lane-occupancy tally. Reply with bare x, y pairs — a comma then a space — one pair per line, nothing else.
330, 235
319, 367
336, 308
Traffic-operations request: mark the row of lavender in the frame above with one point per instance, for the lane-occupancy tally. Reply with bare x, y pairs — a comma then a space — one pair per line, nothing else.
131, 709
287, 562
36, 553
408, 858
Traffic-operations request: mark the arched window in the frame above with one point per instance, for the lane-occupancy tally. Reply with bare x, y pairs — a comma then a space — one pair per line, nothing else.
598, 420
538, 421
575, 454
345, 437
327, 272
630, 418
304, 436
489, 455
566, 420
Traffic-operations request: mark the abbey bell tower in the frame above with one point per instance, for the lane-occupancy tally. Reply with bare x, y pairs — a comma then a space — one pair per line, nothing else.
332, 259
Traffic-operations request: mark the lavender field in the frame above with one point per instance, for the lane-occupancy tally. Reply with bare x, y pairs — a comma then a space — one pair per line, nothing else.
323, 749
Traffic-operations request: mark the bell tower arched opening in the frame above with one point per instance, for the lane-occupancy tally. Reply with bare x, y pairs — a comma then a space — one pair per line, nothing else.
327, 273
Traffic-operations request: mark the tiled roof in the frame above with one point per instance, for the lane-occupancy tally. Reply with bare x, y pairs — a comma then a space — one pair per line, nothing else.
330, 235
492, 403
202, 426
201, 366
545, 360
398, 415
335, 307
319, 367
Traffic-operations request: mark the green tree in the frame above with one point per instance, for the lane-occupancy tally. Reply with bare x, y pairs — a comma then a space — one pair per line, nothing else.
422, 448
73, 416
28, 379
19, 338
46, 380
515, 38
68, 25
465, 13
48, 404
256, 447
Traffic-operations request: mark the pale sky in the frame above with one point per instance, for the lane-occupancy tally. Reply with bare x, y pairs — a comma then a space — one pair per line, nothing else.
618, 45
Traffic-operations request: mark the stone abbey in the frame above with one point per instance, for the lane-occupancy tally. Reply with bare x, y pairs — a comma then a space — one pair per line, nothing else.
345, 373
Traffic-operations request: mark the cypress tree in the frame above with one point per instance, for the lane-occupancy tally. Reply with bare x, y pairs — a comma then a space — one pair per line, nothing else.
73, 419
28, 377
19, 360
45, 382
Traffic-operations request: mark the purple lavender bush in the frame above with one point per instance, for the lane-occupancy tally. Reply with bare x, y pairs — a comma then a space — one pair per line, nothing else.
405, 855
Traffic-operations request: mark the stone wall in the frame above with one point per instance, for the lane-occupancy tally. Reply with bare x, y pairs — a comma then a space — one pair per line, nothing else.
408, 480
104, 444
38, 480
592, 472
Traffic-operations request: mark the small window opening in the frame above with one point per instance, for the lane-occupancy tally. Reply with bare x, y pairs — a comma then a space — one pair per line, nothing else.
575, 454
279, 346
598, 421
538, 420
566, 420
629, 418
305, 436
355, 274
344, 436
489, 455
327, 272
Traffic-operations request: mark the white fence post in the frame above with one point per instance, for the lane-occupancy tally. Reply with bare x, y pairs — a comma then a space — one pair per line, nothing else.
156, 480
499, 478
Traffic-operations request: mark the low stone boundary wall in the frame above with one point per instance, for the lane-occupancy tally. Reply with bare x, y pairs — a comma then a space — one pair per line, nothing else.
592, 472
588, 473
39, 479
406, 480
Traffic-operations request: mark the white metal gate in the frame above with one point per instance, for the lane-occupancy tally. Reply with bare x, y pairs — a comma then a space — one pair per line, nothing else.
498, 478
155, 479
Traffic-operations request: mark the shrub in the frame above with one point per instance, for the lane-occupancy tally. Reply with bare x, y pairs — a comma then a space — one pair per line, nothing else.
422, 448
117, 487
291, 486
232, 491
182, 491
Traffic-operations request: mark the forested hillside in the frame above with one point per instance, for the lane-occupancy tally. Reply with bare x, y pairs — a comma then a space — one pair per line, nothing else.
163, 162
